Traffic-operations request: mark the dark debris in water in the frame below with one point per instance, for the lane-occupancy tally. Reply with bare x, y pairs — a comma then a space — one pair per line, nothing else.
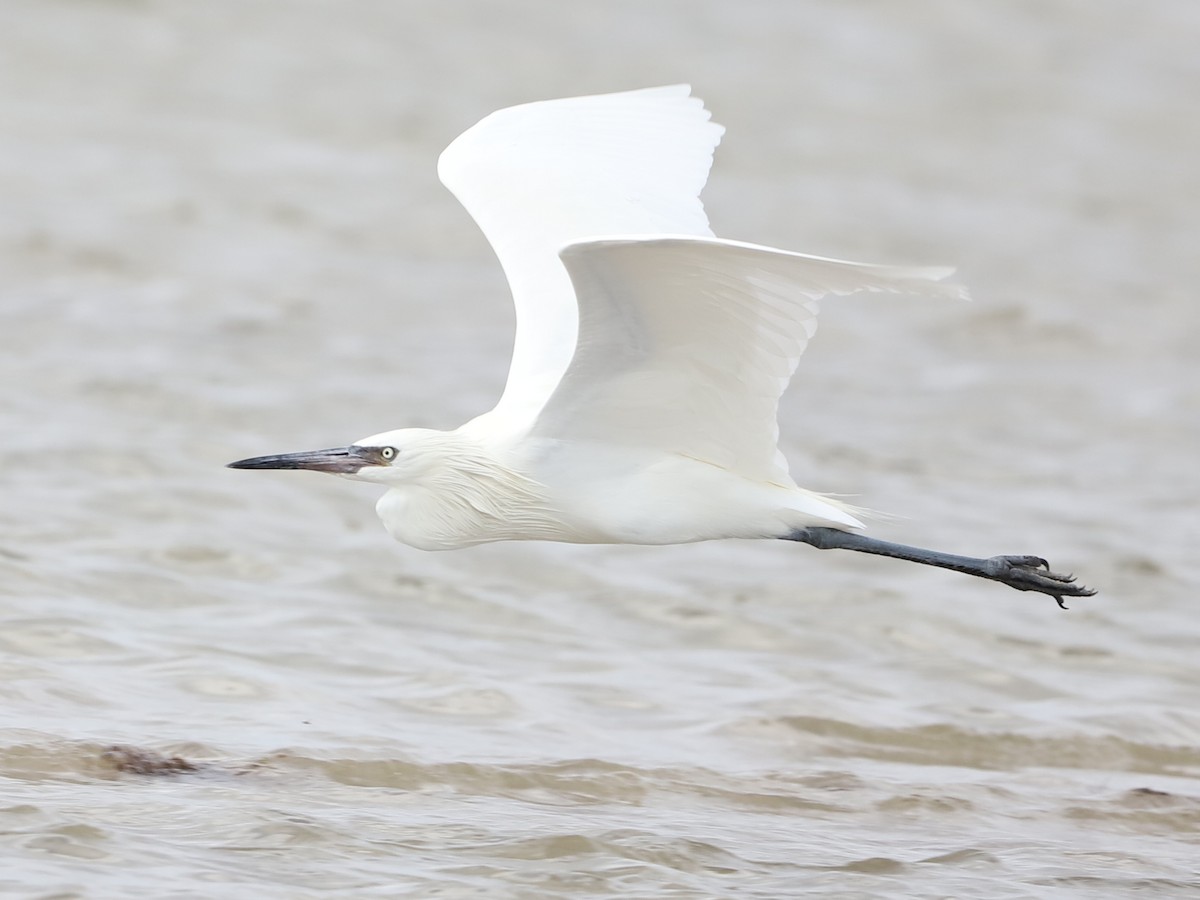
140, 761
1146, 797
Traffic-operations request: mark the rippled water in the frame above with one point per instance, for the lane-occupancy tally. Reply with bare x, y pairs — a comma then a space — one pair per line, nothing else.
221, 235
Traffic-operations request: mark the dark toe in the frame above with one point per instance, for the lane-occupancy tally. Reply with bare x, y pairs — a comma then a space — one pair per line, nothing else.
1032, 573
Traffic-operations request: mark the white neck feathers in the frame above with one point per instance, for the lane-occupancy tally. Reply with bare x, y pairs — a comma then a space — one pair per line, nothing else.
458, 494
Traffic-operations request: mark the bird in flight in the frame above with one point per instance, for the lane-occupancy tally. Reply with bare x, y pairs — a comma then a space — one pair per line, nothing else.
649, 360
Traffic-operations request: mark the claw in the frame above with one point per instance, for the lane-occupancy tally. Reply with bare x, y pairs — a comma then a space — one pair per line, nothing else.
1032, 573
1065, 579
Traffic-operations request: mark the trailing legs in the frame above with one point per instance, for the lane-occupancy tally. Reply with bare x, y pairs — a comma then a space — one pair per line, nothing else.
1025, 573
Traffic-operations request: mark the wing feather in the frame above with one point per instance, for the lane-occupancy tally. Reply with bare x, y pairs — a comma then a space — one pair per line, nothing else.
542, 175
686, 344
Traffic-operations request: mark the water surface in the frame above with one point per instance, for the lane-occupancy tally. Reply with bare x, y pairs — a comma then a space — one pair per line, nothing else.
221, 235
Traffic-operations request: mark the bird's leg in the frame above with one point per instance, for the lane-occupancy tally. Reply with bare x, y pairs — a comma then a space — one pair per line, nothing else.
1025, 573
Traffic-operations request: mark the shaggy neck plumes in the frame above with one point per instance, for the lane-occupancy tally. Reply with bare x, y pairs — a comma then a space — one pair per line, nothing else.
455, 494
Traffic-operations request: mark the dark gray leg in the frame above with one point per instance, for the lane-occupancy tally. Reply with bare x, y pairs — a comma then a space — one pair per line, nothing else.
1025, 573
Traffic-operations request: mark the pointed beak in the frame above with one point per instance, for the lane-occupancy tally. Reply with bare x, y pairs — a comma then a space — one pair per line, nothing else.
338, 461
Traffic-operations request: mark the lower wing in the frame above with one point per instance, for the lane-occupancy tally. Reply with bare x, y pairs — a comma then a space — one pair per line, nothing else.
686, 343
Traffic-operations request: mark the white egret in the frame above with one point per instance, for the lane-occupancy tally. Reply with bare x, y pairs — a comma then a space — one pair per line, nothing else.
649, 360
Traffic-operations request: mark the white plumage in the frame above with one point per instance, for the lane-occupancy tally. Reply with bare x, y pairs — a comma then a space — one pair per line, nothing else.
649, 357
544, 175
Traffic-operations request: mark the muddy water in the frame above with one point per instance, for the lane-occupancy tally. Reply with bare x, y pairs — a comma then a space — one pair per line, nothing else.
221, 235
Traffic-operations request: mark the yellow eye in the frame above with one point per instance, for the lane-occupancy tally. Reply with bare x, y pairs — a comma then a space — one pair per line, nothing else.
388, 453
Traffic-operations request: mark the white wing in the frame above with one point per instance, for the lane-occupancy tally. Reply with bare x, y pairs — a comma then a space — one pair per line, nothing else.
540, 176
686, 344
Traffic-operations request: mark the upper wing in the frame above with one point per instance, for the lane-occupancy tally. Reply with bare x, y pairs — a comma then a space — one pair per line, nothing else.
686, 344
540, 176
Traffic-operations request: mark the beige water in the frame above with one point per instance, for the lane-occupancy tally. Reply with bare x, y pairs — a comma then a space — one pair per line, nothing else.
221, 235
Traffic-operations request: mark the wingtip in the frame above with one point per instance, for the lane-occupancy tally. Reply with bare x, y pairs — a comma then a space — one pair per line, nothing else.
682, 88
935, 277
940, 274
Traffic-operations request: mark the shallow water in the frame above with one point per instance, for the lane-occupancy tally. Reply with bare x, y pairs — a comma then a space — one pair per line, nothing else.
221, 235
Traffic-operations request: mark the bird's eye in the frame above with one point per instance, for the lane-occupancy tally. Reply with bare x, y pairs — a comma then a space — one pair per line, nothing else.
388, 453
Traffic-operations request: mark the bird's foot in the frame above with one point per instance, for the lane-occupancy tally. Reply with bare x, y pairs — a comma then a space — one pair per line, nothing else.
1032, 573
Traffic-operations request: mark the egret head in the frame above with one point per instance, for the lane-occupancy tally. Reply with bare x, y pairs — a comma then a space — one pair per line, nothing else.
387, 458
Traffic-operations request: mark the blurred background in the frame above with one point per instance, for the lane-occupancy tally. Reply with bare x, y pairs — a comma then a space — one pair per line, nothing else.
221, 235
